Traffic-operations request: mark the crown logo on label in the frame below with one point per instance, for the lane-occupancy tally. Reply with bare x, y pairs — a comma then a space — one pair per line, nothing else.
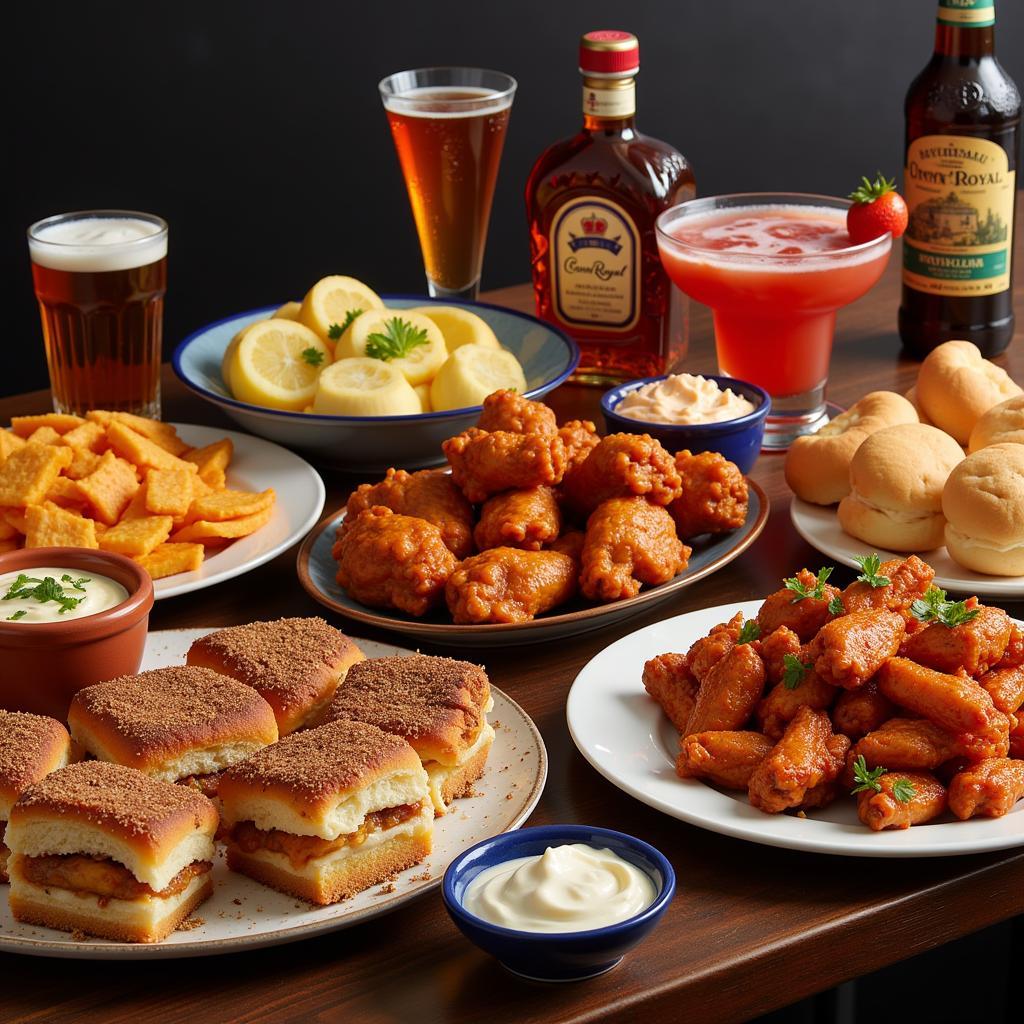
594, 225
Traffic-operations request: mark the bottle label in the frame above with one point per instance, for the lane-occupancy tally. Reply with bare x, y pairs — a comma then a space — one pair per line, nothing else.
968, 13
595, 265
608, 102
960, 193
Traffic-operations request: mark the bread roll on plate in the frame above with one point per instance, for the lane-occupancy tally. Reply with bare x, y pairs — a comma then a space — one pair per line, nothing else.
983, 502
1002, 424
896, 482
818, 465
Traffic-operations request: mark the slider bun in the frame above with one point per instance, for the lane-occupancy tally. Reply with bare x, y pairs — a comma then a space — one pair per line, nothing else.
896, 481
818, 465
31, 746
1003, 423
911, 396
984, 505
956, 386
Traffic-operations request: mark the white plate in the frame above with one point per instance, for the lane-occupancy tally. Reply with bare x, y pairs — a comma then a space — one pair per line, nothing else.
255, 466
819, 526
628, 739
242, 914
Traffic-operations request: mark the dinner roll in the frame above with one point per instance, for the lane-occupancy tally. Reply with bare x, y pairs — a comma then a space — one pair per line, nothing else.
956, 385
911, 396
984, 504
818, 465
896, 481
1002, 424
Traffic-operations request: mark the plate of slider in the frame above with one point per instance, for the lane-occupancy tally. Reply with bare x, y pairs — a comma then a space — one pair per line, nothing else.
241, 798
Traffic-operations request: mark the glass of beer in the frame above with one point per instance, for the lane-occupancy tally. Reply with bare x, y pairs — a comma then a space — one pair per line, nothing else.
449, 129
100, 278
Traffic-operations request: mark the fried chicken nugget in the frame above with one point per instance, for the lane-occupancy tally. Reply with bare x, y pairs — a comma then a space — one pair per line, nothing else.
629, 542
987, 789
909, 579
779, 706
386, 560
488, 463
849, 650
725, 757
529, 519
672, 686
509, 585
704, 654
580, 438
858, 712
730, 692
429, 494
622, 466
714, 496
884, 809
804, 615
1006, 688
508, 410
974, 646
809, 755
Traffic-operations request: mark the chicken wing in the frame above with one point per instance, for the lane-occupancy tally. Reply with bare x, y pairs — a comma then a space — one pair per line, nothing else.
509, 585
429, 494
387, 560
714, 496
629, 542
774, 650
672, 686
849, 650
915, 744
622, 466
1013, 657
909, 579
508, 410
778, 708
987, 789
580, 438
725, 757
973, 646
488, 463
858, 712
529, 519
808, 755
571, 544
804, 615
729, 693
884, 809
1017, 739
704, 654
1006, 688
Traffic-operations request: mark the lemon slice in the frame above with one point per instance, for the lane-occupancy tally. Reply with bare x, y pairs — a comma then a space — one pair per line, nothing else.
228, 360
364, 387
471, 373
328, 303
273, 365
384, 331
459, 326
289, 311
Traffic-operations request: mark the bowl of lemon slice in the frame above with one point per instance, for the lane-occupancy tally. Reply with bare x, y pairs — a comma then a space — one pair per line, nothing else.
365, 381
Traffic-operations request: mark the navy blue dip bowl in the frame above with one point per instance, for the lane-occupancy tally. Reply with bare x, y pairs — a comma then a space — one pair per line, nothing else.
557, 956
739, 440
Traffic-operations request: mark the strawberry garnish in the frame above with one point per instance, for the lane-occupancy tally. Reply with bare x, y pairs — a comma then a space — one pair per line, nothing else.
877, 208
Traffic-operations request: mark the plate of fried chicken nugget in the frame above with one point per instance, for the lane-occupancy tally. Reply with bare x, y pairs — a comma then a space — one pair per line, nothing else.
535, 530
881, 720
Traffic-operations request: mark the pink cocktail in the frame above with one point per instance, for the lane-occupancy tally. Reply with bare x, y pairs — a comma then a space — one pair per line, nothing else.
774, 269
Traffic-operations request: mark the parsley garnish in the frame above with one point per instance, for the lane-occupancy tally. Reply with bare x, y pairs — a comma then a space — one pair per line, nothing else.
335, 331
794, 670
836, 606
313, 356
801, 591
866, 779
870, 564
75, 584
30, 588
903, 790
934, 607
19, 614
749, 631
400, 337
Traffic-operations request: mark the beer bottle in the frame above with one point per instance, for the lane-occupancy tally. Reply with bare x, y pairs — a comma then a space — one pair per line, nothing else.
963, 120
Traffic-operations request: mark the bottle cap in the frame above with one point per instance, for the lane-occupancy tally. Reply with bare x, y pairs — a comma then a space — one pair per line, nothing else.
609, 53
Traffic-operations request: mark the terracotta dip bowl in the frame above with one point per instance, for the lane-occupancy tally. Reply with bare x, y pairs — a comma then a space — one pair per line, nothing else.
43, 664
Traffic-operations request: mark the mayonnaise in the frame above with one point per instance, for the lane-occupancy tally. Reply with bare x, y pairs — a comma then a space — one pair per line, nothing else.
683, 398
565, 889
48, 594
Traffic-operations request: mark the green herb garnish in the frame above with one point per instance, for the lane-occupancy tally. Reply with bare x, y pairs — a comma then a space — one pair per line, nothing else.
934, 607
75, 584
836, 606
866, 779
794, 670
335, 331
30, 588
869, 565
399, 338
802, 591
749, 631
313, 356
19, 614
903, 790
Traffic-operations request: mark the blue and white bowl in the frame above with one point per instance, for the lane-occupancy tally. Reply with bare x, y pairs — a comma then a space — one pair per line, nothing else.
557, 956
373, 443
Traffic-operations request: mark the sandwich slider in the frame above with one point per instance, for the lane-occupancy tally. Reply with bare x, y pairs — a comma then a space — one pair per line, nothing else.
179, 724
31, 746
327, 812
294, 664
106, 850
439, 705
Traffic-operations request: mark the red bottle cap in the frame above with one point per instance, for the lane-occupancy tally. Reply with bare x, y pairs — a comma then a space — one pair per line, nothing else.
609, 52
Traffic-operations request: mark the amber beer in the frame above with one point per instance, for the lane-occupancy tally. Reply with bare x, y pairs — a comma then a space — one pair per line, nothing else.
449, 128
100, 278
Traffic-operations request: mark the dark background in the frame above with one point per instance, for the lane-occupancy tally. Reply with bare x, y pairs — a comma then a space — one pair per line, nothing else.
256, 130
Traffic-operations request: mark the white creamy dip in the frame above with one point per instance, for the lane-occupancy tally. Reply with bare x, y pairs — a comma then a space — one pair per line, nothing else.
565, 889
684, 398
50, 594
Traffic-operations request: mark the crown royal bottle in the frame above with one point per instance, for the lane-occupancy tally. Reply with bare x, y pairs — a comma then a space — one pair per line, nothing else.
963, 121
592, 201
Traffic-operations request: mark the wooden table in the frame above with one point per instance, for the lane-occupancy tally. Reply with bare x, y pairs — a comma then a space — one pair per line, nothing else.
751, 928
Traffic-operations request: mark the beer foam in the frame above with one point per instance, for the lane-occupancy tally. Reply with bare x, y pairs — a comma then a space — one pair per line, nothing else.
412, 102
97, 244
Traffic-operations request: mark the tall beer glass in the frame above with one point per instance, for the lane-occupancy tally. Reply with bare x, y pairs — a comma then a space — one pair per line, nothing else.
449, 129
100, 278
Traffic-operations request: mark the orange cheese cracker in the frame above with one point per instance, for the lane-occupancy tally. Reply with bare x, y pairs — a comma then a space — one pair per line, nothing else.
137, 537
215, 455
43, 435
91, 436
110, 488
83, 462
28, 473
62, 422
222, 505
66, 492
169, 491
160, 433
14, 517
49, 526
141, 451
203, 530
168, 559
9, 442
